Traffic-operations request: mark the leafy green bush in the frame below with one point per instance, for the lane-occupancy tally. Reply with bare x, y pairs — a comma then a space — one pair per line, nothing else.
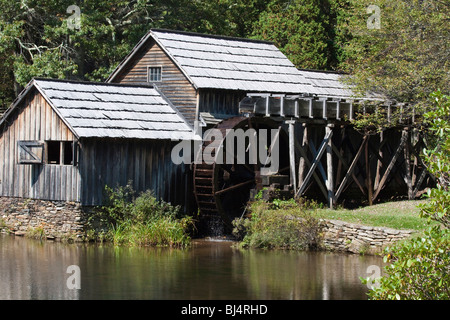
420, 268
437, 159
131, 219
272, 228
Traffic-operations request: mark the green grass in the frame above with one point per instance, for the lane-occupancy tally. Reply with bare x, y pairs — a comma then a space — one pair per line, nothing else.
396, 215
163, 231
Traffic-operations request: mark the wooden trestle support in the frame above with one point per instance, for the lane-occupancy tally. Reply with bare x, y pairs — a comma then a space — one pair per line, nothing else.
382, 165
322, 157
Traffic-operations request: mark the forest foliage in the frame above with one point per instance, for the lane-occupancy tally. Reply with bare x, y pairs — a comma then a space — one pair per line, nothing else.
399, 48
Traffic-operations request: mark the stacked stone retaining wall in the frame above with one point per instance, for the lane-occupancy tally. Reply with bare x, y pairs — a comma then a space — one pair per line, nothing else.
355, 238
67, 220
47, 219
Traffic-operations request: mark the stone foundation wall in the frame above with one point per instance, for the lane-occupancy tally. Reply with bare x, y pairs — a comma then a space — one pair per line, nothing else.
47, 219
355, 238
66, 220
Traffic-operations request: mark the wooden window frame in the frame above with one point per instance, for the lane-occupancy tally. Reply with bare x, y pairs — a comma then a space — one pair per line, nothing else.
149, 73
62, 150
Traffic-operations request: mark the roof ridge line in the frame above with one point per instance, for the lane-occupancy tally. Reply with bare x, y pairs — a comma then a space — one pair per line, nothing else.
205, 35
116, 84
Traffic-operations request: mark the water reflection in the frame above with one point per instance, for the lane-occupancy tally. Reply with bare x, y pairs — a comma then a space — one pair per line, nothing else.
209, 270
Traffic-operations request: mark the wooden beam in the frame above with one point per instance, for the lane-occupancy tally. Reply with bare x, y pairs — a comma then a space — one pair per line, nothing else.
408, 179
368, 175
306, 162
292, 153
234, 187
390, 166
352, 167
338, 109
330, 189
384, 163
379, 162
344, 163
316, 162
303, 157
320, 166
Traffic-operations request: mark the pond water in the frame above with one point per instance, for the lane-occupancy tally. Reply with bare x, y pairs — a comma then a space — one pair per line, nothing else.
30, 269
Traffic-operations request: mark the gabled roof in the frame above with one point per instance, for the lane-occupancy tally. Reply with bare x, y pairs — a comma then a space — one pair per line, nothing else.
110, 110
218, 62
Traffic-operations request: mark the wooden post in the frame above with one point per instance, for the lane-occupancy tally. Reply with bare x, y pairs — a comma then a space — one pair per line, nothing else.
390, 166
408, 179
292, 153
302, 162
352, 167
316, 161
379, 163
330, 184
302, 182
368, 175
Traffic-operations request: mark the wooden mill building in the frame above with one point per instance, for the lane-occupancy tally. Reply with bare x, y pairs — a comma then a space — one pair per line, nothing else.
65, 140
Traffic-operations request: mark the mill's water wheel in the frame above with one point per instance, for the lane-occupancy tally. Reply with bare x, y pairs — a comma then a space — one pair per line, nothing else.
222, 189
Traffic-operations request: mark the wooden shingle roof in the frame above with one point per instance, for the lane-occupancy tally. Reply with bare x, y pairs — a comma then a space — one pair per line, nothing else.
218, 62
97, 110
333, 85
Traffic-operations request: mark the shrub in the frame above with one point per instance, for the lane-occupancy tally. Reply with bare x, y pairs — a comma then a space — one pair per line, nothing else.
420, 268
131, 219
293, 228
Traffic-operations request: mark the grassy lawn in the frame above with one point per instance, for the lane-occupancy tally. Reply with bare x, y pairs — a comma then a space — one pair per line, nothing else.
397, 215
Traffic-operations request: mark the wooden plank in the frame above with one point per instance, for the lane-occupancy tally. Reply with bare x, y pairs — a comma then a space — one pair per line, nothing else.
315, 162
368, 175
239, 185
352, 167
419, 182
302, 162
329, 131
390, 166
319, 166
304, 156
407, 153
292, 153
346, 166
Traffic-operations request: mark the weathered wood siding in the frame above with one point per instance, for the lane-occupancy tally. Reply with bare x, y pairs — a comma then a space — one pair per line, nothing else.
145, 163
220, 101
35, 120
173, 84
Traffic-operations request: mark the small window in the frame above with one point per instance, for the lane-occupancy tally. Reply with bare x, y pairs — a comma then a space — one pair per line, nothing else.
154, 74
60, 152
53, 152
30, 152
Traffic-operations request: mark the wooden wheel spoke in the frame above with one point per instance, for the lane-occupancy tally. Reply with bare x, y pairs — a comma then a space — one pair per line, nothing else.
239, 185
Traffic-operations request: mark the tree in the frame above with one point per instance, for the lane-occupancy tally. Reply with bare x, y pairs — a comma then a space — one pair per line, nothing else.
37, 39
406, 55
302, 29
420, 268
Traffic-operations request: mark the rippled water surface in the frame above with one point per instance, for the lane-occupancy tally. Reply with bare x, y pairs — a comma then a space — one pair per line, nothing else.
30, 269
